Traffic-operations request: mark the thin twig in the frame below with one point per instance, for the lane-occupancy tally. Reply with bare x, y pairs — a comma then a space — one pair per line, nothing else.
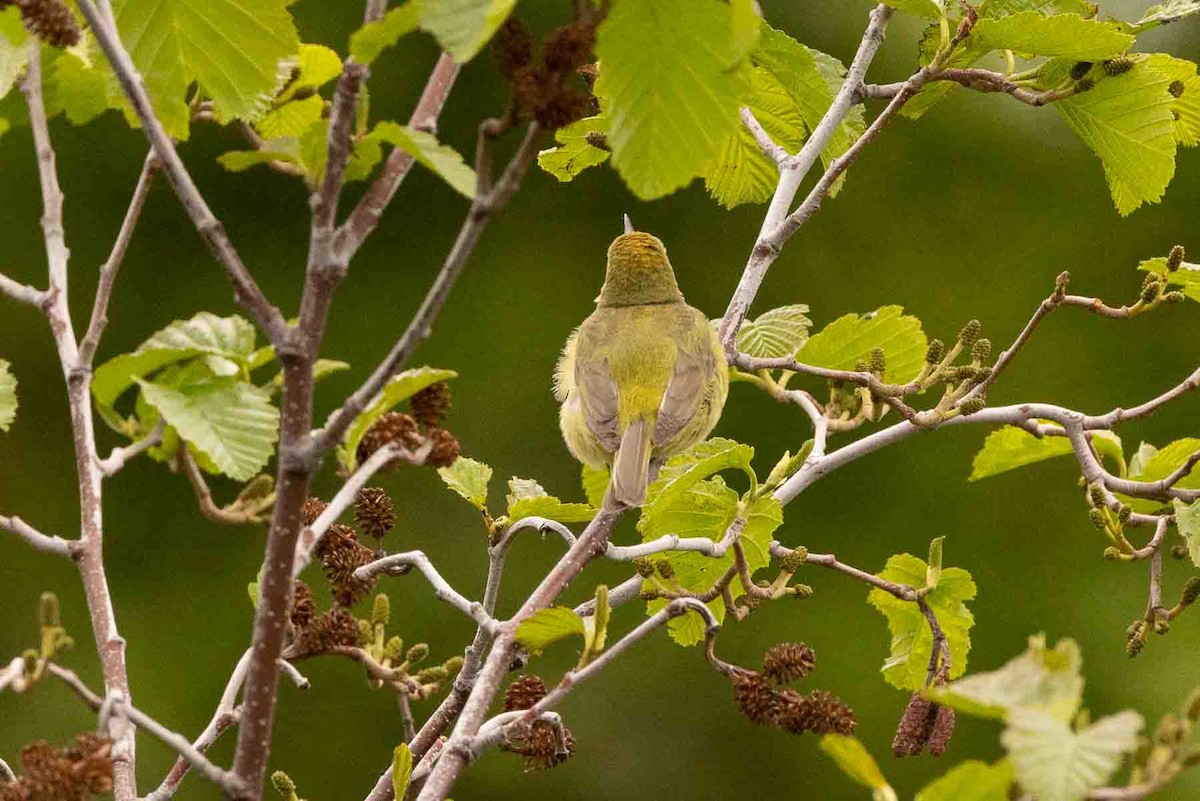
119, 457
22, 293
42, 542
229, 515
395, 565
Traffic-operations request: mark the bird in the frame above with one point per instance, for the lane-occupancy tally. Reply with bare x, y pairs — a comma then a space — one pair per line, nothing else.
643, 377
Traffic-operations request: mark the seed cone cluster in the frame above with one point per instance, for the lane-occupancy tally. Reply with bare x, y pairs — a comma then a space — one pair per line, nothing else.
49, 20
551, 90
422, 427
341, 554
924, 724
79, 772
542, 744
374, 512
764, 702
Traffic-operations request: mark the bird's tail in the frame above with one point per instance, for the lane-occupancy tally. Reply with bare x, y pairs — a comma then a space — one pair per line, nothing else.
631, 466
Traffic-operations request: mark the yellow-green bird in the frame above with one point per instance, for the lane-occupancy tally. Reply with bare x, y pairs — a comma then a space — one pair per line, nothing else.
644, 376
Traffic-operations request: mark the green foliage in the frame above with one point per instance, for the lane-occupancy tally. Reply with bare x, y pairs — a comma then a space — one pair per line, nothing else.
232, 48
929, 9
1187, 277
373, 38
1002, 8
1068, 35
1055, 762
74, 88
854, 760
469, 479
547, 626
231, 422
573, 153
402, 767
1187, 522
1010, 447
682, 472
1155, 464
463, 27
443, 160
596, 626
1127, 121
912, 641
527, 498
1164, 13
8, 396
851, 339
1186, 107
971, 781
12, 48
651, 63
1041, 679
776, 333
595, 483
399, 389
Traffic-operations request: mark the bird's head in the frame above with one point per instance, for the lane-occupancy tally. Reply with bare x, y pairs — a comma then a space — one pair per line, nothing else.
639, 272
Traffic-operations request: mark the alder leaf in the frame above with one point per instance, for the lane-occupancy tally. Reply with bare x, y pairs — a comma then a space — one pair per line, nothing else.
776, 333
469, 479
857, 763
851, 339
1065, 35
373, 38
1187, 521
400, 388
1010, 447
1165, 13
1056, 763
912, 641
547, 626
463, 27
929, 9
443, 160
971, 781
573, 154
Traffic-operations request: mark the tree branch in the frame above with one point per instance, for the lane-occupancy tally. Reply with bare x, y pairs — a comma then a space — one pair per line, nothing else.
39, 541
22, 293
399, 564
119, 457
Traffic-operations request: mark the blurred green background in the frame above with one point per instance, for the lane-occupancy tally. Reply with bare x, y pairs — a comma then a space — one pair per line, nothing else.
969, 213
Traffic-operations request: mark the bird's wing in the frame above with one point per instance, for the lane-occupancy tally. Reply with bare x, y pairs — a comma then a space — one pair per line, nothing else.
598, 395
694, 369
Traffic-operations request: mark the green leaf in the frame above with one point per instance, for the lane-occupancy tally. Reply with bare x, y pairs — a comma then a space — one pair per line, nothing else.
373, 38
1002, 8
231, 422
776, 333
402, 767
547, 626
685, 470
469, 479
322, 368
1163, 463
527, 498
73, 87
1065, 35
463, 27
1042, 679
13, 52
707, 509
399, 389
524, 489
443, 160
573, 154
8, 396
668, 90
912, 642
1010, 447
854, 760
284, 149
971, 781
597, 624
595, 484
1055, 763
204, 334
745, 25
316, 65
1127, 121
929, 9
851, 339
1187, 521
1165, 13
1186, 107
233, 48
1145, 453
289, 120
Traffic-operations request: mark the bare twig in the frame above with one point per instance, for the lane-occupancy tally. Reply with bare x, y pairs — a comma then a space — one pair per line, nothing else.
43, 542
766, 144
229, 515
397, 564
22, 293
119, 457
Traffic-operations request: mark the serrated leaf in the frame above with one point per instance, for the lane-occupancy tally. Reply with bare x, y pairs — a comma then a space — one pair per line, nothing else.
1127, 121
1002, 8
595, 484
231, 422
1164, 462
573, 154
929, 9
402, 767
317, 65
8, 396
373, 38
745, 25
1055, 763
547, 626
776, 333
1186, 107
1165, 13
597, 624
72, 87
668, 90
469, 479
1186, 278
399, 389
551, 508
1042, 679
851, 338
463, 27
681, 472
233, 48
443, 160
1141, 458
289, 120
285, 150
707, 509
854, 760
524, 489
971, 781
912, 641
1064, 35
1010, 447
1187, 522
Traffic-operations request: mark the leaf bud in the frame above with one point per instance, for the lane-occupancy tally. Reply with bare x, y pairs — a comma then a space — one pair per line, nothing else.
393, 649
1124, 513
284, 785
1098, 519
1111, 553
1080, 69
417, 653
1134, 646
381, 611
1118, 66
1096, 494
48, 611
981, 350
1150, 292
878, 361
1175, 258
935, 351
969, 333
1176, 88
972, 405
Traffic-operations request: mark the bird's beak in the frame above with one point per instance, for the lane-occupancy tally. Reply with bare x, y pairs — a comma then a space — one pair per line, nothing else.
628, 224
